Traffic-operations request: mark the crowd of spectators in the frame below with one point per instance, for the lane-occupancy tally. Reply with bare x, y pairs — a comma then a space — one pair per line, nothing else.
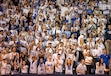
55, 37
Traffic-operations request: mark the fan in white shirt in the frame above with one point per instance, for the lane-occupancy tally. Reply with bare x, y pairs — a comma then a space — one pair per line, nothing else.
69, 66
100, 43
81, 68
24, 67
72, 39
5, 68
91, 43
63, 9
58, 64
49, 65
13, 53
41, 66
100, 67
50, 40
49, 49
33, 65
96, 52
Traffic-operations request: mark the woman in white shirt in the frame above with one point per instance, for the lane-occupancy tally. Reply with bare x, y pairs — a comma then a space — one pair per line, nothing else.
24, 67
69, 66
88, 62
86, 50
72, 39
100, 67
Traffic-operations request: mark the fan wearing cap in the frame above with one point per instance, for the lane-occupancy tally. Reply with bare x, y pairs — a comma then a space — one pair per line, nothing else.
58, 64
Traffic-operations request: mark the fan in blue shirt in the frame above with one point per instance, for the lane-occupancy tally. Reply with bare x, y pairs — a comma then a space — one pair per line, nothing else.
105, 57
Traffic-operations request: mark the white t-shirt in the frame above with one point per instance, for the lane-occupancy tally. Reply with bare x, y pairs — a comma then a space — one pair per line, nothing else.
68, 69
41, 69
24, 69
88, 59
33, 67
49, 66
100, 46
59, 67
96, 52
100, 69
72, 41
63, 10
81, 68
8, 69
3, 68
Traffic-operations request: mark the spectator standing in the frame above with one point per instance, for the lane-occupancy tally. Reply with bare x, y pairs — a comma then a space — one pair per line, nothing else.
108, 39
106, 58
41, 66
100, 67
81, 68
49, 65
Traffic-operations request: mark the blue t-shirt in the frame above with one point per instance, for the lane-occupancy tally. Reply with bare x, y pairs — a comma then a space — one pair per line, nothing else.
68, 33
106, 59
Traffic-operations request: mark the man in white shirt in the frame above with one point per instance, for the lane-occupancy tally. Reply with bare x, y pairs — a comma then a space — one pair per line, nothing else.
81, 68
63, 9
58, 64
49, 65
33, 65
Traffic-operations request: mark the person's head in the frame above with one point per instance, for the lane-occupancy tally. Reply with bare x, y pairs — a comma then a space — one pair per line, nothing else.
50, 38
6, 60
23, 62
70, 51
41, 60
82, 61
72, 36
109, 27
104, 51
34, 58
49, 44
64, 36
87, 47
88, 53
59, 55
101, 61
50, 57
96, 46
1, 32
66, 28
14, 49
